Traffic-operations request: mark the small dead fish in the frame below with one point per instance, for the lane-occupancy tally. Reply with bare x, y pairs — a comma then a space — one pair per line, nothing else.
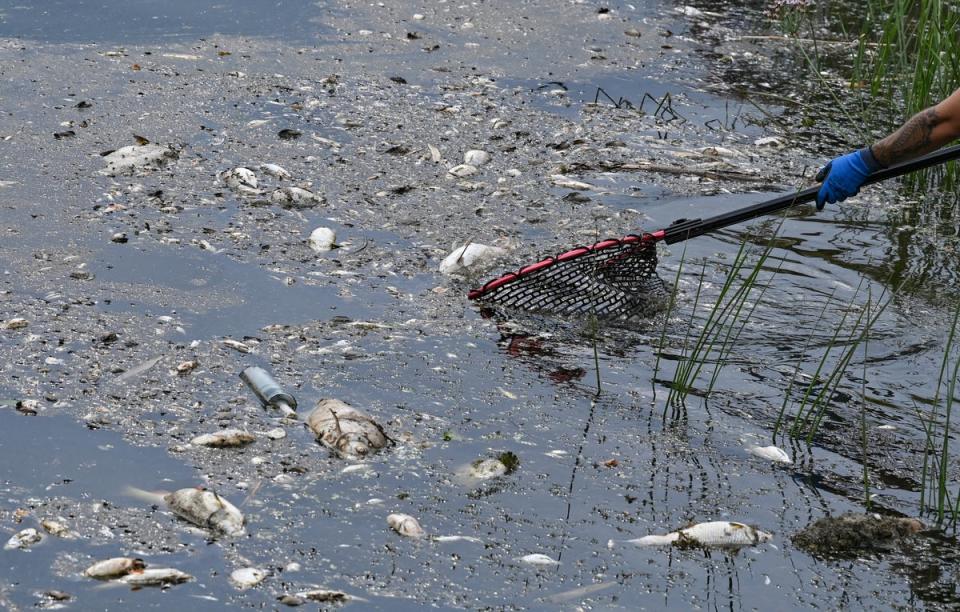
567, 183
127, 160
185, 367
15, 323
722, 534
114, 568
348, 431
473, 255
247, 577
296, 197
23, 539
159, 576
538, 559
276, 171
485, 469
463, 170
240, 179
206, 509
56, 528
406, 525
224, 438
456, 538
771, 452
235, 345
476, 157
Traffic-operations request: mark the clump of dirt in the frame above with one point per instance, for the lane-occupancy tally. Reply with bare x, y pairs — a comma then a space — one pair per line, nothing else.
852, 534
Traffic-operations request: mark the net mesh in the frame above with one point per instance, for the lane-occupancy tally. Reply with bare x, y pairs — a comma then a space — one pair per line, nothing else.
615, 278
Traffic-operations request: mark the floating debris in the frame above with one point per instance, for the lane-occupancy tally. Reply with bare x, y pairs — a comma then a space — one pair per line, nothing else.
322, 239
114, 568
129, 159
406, 525
160, 576
296, 197
348, 431
773, 453
23, 539
471, 256
323, 595
224, 438
720, 534
476, 158
247, 577
538, 559
853, 534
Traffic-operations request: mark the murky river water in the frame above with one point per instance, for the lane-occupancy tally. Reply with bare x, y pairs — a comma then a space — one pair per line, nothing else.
122, 278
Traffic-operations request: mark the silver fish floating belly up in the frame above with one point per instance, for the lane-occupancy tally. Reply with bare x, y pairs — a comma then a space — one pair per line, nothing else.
713, 534
206, 509
348, 431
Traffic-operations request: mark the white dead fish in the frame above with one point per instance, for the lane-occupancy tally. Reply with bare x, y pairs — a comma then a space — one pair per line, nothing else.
114, 568
773, 453
770, 141
15, 323
127, 160
235, 345
472, 255
322, 239
457, 538
56, 528
435, 156
185, 367
296, 197
406, 525
159, 576
224, 438
568, 183
538, 559
348, 431
240, 179
276, 171
463, 170
247, 577
476, 157
721, 534
207, 509
23, 539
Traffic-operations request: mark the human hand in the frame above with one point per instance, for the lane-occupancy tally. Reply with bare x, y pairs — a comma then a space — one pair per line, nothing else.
844, 177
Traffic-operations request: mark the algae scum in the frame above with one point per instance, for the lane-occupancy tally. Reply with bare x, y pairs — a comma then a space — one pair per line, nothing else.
132, 298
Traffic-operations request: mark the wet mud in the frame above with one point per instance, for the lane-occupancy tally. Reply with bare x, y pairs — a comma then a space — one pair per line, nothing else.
123, 277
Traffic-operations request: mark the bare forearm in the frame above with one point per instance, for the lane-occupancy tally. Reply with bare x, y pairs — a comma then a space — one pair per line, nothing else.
926, 131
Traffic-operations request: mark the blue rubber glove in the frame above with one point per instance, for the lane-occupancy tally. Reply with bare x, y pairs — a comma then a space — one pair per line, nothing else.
845, 175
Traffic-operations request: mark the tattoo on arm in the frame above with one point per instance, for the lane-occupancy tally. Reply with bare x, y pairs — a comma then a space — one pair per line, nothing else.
914, 138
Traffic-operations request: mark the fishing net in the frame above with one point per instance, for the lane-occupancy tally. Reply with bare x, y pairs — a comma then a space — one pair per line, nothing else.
613, 279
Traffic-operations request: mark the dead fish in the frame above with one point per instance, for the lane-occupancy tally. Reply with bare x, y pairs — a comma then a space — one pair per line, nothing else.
721, 534
568, 183
348, 431
114, 568
322, 239
23, 539
456, 538
56, 528
240, 179
771, 453
185, 367
406, 525
538, 559
276, 171
224, 438
235, 345
296, 197
852, 534
159, 576
485, 469
206, 509
473, 255
247, 577
15, 323
463, 170
476, 157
